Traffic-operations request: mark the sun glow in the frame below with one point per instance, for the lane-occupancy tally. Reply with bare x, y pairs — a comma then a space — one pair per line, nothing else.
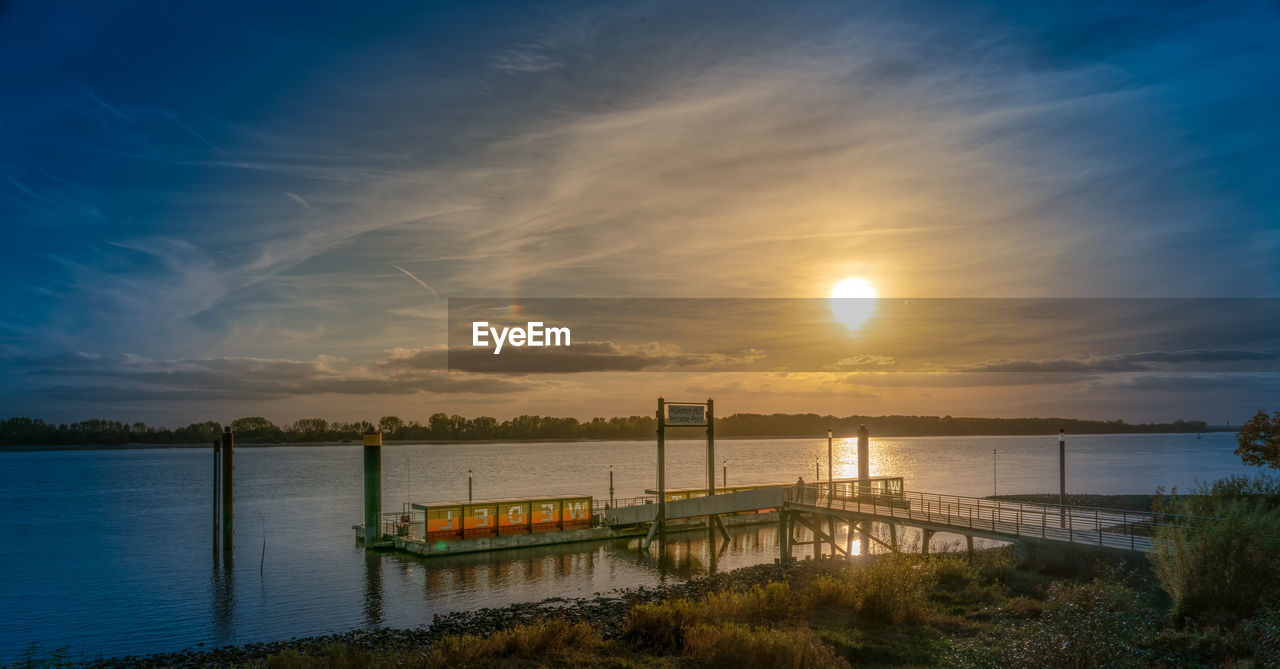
853, 300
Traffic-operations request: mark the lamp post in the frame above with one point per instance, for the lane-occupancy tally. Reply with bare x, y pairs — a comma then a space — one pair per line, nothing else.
994, 487
468, 485
611, 504
724, 475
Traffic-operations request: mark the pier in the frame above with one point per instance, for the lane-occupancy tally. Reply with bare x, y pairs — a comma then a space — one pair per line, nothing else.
822, 507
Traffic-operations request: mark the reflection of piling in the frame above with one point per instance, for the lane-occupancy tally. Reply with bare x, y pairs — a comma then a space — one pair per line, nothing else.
217, 512
373, 614
228, 489
1062, 476
864, 480
372, 488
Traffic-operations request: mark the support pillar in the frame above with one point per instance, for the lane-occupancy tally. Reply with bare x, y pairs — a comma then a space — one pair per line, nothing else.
969, 539
784, 538
924, 546
372, 488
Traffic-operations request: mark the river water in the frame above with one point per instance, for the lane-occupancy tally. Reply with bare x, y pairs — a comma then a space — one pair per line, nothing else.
108, 552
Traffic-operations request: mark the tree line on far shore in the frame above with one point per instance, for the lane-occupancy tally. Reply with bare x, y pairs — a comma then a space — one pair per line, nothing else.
440, 426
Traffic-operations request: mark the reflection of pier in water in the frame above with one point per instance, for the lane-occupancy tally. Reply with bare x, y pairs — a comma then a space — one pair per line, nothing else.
685, 554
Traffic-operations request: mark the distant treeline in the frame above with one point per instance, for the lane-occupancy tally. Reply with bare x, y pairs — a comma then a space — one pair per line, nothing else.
255, 429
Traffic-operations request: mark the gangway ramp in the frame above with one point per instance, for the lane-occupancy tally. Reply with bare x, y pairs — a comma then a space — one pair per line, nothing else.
646, 510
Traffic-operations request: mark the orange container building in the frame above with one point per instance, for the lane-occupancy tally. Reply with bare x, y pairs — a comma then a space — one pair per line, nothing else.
446, 521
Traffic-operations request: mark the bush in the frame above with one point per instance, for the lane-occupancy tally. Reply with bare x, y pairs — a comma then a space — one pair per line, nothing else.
737, 645
1101, 624
894, 589
1221, 570
661, 626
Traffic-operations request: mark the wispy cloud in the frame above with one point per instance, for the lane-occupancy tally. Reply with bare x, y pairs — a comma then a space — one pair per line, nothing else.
420, 281
296, 198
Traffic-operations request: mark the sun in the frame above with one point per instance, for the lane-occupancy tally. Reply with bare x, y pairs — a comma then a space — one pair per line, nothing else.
853, 300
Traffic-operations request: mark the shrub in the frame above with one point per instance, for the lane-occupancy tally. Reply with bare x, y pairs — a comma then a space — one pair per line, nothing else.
738, 645
661, 626
1223, 569
893, 589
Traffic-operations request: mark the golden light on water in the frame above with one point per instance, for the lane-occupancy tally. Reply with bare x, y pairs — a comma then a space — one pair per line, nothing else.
853, 300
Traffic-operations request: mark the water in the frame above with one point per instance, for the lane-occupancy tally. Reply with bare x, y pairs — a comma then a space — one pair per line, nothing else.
108, 552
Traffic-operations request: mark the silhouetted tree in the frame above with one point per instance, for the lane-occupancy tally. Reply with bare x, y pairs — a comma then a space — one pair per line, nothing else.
1259, 440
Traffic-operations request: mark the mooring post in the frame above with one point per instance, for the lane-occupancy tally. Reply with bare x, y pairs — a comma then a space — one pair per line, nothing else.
372, 488
228, 489
711, 447
662, 467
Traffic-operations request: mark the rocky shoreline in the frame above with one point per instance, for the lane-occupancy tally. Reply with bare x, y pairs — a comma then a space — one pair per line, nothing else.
607, 612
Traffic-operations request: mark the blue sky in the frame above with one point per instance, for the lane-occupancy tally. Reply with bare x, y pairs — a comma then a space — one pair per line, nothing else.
200, 200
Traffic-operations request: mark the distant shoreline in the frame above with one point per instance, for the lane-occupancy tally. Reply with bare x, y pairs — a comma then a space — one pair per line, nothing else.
142, 446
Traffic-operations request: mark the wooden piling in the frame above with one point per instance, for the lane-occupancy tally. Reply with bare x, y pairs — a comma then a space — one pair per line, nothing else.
372, 488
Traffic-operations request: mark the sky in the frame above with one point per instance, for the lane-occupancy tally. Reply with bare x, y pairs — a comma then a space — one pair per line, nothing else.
237, 209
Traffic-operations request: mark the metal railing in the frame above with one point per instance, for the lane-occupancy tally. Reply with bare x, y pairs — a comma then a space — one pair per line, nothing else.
1114, 528
623, 502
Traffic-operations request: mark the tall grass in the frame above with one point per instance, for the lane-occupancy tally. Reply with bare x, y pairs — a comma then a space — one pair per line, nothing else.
552, 641
738, 645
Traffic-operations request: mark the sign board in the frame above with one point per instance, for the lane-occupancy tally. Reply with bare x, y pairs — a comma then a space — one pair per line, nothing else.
686, 414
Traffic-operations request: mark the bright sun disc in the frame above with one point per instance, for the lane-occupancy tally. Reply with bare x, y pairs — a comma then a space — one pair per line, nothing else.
852, 301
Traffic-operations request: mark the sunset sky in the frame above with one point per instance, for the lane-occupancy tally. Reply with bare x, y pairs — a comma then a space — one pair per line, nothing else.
237, 210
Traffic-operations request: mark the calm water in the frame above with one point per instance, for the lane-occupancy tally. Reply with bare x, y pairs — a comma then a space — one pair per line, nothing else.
108, 552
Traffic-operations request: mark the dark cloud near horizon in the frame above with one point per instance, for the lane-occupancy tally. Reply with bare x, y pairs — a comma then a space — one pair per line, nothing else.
83, 376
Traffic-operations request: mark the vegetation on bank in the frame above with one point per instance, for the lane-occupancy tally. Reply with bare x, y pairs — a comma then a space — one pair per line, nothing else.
1209, 596
440, 426
898, 610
